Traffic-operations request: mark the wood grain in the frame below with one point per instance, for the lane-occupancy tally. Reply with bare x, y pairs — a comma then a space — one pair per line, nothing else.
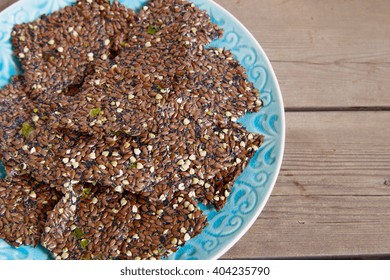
325, 53
332, 197
5, 3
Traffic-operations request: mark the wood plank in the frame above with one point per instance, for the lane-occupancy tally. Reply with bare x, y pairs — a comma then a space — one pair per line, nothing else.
5, 3
332, 197
318, 226
325, 53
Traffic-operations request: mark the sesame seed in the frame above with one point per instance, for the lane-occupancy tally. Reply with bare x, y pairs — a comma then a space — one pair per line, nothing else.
33, 194
123, 201
65, 255
184, 167
90, 56
192, 157
187, 237
140, 165
119, 189
202, 153
192, 194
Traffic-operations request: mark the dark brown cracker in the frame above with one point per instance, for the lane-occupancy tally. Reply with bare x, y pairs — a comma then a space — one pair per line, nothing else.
98, 223
116, 99
141, 90
24, 204
173, 23
56, 50
15, 121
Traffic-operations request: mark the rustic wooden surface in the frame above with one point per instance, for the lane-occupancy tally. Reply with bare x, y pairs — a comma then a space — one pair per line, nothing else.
332, 59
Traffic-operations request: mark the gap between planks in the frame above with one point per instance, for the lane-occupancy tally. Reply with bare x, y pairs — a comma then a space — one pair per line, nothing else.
337, 109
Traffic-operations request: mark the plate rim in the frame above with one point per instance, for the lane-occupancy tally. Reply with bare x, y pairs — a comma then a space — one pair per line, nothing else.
282, 136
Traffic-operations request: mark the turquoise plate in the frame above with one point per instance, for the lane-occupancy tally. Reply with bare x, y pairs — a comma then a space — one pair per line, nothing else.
252, 189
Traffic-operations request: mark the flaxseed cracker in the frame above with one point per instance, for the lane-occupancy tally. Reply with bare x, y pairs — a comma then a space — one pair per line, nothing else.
15, 121
57, 50
24, 204
172, 24
99, 223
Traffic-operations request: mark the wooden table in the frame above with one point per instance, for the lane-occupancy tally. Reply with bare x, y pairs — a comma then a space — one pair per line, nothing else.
332, 59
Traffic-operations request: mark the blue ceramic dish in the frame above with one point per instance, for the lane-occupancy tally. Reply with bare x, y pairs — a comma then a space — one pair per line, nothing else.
252, 189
